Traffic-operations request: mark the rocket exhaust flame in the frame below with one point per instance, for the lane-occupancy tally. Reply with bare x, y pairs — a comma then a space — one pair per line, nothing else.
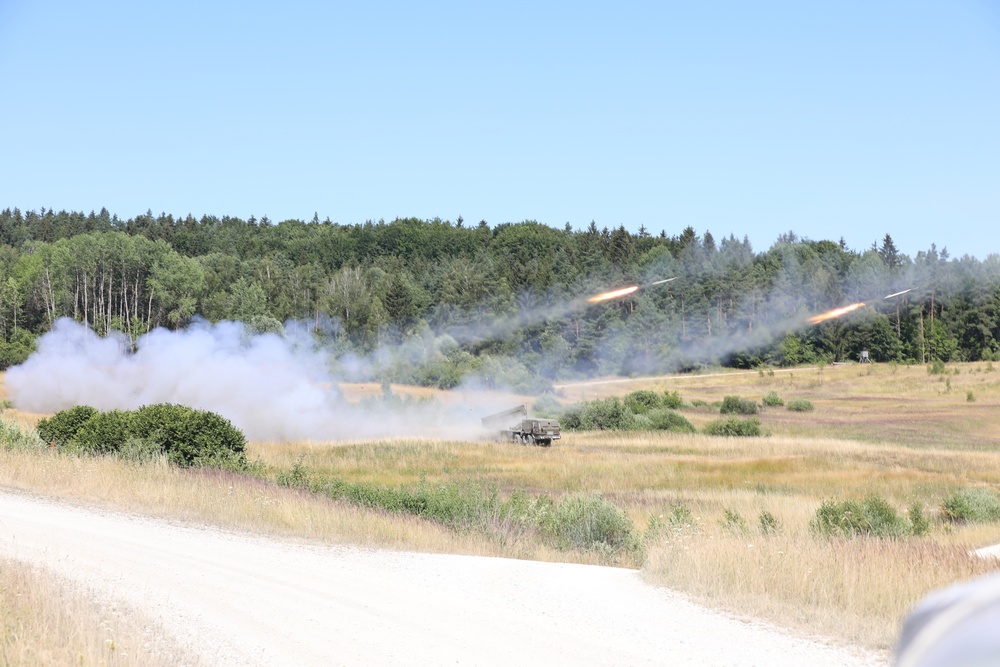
624, 291
613, 294
836, 312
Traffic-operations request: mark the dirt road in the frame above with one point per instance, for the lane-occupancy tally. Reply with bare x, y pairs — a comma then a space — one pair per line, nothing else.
245, 600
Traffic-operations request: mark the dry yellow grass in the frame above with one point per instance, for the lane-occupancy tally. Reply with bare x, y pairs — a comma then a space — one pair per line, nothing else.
892, 431
46, 620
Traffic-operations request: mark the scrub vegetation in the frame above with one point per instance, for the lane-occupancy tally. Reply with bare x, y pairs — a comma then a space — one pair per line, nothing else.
834, 525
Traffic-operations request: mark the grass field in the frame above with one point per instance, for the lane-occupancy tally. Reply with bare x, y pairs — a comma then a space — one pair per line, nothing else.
725, 519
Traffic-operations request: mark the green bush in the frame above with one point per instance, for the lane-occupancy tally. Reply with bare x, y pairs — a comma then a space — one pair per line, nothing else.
800, 405
188, 436
571, 418
733, 426
972, 506
936, 367
642, 401
772, 400
672, 400
608, 414
669, 420
738, 406
873, 517
588, 522
61, 427
105, 432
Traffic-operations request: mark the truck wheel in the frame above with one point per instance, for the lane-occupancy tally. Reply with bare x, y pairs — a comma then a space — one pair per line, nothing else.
529, 439
517, 439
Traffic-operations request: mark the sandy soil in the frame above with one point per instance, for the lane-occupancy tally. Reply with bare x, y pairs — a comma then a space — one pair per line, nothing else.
247, 600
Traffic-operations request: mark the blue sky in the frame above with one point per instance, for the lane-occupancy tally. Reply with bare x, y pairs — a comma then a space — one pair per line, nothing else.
849, 119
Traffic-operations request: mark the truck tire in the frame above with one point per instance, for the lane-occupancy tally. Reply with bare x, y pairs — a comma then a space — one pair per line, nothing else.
517, 438
529, 439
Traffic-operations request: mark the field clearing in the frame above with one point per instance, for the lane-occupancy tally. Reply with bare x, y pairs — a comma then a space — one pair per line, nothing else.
891, 431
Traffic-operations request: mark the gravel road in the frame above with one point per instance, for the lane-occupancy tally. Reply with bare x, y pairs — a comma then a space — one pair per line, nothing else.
239, 599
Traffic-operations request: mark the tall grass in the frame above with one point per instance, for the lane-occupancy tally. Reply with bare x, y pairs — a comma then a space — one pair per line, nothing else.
726, 519
48, 620
855, 589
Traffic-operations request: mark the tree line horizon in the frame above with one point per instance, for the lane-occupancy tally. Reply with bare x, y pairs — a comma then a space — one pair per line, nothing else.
374, 285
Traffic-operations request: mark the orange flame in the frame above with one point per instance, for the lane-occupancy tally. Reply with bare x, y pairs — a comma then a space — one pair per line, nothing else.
836, 312
613, 294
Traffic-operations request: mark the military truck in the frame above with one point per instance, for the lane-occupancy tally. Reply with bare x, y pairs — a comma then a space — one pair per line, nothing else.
514, 425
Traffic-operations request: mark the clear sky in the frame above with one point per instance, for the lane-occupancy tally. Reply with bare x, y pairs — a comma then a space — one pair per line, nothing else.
844, 119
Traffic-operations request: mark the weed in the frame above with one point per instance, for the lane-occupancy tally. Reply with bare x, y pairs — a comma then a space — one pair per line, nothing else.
919, 525
15, 436
970, 397
733, 523
768, 523
936, 367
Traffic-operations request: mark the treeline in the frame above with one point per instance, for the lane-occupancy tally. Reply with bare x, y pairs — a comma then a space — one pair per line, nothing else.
507, 292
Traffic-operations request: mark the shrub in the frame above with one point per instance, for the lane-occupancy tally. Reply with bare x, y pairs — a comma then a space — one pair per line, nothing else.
189, 436
571, 418
972, 506
873, 517
800, 405
642, 401
105, 432
61, 427
590, 523
738, 406
699, 403
669, 420
607, 415
772, 400
672, 400
970, 397
733, 426
936, 367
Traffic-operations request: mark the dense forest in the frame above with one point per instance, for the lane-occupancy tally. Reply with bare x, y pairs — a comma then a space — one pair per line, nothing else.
505, 302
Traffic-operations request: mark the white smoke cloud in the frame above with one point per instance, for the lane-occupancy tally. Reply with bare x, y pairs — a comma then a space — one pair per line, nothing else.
271, 387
